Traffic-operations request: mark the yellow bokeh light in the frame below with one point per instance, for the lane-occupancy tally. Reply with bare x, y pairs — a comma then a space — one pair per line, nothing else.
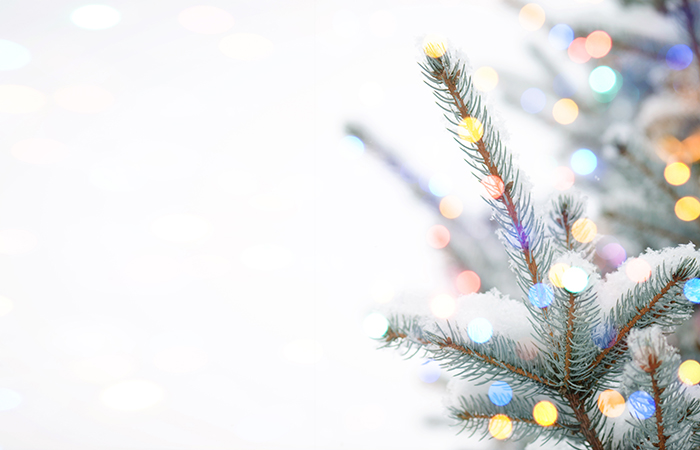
500, 426
443, 306
584, 230
556, 273
531, 16
246, 46
689, 372
471, 129
677, 173
670, 149
611, 403
434, 46
485, 79
545, 413
451, 206
16, 99
565, 111
687, 208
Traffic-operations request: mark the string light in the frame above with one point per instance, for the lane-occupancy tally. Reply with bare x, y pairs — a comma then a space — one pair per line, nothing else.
468, 282
677, 173
556, 274
687, 208
500, 426
574, 279
541, 295
598, 44
584, 230
470, 129
565, 111
451, 207
689, 372
641, 405
691, 290
494, 186
434, 46
500, 393
545, 413
611, 403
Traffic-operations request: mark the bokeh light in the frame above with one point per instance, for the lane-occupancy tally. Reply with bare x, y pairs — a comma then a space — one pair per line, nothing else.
687, 208
565, 111
434, 46
563, 178
13, 56
440, 185
470, 129
689, 372
500, 427
429, 371
584, 230
382, 291
561, 36
531, 17
541, 295
180, 228
691, 289
614, 253
584, 161
500, 393
563, 86
485, 78
533, 100
16, 99
638, 270
494, 186
6, 306
205, 19
39, 151
132, 395
677, 173
545, 413
641, 405
85, 99
556, 274
574, 279
603, 335
611, 403
443, 306
9, 399
468, 282
438, 236
451, 207
602, 79
307, 351
598, 44
246, 46
375, 325
679, 57
95, 17
266, 257
480, 330
351, 147
577, 51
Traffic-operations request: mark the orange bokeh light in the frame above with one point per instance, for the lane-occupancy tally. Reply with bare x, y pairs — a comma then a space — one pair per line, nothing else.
611, 403
638, 270
468, 282
438, 236
598, 44
494, 186
500, 426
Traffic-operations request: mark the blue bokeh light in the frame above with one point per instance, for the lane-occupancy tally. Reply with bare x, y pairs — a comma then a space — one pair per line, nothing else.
692, 290
13, 56
583, 161
500, 393
560, 36
480, 330
541, 295
602, 79
679, 57
533, 100
563, 87
429, 371
641, 405
604, 335
440, 185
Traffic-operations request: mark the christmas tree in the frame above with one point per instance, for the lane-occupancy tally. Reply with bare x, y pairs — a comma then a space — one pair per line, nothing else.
580, 358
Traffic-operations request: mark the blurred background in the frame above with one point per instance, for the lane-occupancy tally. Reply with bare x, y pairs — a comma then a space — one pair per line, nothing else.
204, 205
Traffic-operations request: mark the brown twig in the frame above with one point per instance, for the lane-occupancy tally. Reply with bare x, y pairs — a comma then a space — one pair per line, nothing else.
569, 337
653, 365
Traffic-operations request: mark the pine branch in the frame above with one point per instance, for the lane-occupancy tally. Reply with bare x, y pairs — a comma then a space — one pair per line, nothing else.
564, 213
661, 436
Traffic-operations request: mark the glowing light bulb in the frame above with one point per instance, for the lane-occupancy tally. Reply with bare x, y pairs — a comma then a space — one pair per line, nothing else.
677, 173
691, 290
451, 207
494, 186
480, 330
434, 46
531, 17
641, 405
500, 393
375, 325
687, 208
438, 236
611, 403
584, 230
638, 270
471, 129
500, 426
545, 413
485, 78
574, 279
541, 295
556, 274
565, 111
443, 306
598, 44
689, 372
468, 282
